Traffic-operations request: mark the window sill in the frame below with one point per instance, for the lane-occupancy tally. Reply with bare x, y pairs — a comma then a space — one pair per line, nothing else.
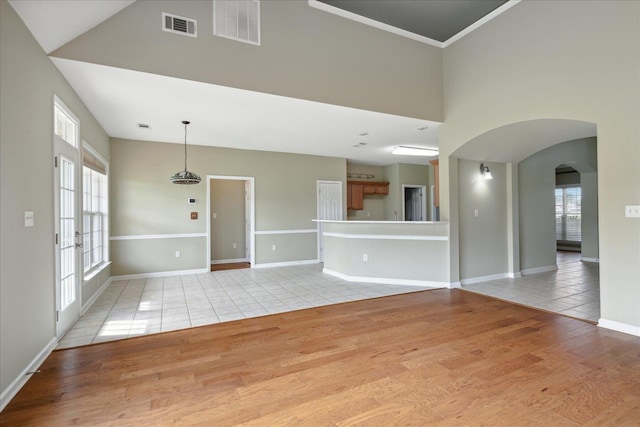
93, 273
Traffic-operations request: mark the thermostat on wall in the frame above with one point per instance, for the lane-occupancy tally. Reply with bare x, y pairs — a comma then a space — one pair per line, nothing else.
191, 200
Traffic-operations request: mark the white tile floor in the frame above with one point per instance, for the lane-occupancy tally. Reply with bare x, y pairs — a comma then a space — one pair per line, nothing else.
130, 308
572, 290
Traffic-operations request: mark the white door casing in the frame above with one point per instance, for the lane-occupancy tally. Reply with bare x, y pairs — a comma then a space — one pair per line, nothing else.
329, 208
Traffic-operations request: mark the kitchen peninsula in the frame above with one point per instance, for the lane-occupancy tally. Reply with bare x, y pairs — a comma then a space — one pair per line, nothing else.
395, 252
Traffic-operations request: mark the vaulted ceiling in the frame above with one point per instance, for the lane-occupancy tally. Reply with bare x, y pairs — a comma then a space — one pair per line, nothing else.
119, 97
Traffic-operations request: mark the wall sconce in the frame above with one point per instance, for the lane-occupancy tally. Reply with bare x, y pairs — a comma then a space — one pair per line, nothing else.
485, 172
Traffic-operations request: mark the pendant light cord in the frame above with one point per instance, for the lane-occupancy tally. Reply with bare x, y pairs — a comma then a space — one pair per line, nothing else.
185, 145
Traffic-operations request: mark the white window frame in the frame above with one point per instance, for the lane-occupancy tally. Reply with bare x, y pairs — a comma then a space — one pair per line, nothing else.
70, 119
102, 211
564, 187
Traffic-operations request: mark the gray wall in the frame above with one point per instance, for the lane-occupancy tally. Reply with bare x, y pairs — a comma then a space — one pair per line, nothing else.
584, 65
144, 202
28, 82
228, 225
537, 183
483, 239
305, 53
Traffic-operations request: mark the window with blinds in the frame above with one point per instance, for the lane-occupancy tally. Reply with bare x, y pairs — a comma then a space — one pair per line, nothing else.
569, 214
95, 211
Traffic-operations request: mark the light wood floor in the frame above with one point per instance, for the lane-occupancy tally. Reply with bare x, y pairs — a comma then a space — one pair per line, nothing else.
230, 266
441, 357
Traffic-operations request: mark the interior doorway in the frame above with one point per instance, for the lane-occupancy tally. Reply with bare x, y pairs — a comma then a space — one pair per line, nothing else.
414, 202
230, 222
568, 209
329, 208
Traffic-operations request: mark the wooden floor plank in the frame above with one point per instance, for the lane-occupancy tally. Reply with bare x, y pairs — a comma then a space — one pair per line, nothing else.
442, 357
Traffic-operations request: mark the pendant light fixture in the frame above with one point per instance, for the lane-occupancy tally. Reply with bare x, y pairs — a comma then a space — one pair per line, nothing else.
185, 177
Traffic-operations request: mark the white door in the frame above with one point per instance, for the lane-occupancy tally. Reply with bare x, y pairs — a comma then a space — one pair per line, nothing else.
329, 208
68, 236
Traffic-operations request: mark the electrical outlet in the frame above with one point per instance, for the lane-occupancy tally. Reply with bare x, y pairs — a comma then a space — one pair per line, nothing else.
365, 257
632, 211
476, 213
215, 215
178, 254
235, 246
274, 248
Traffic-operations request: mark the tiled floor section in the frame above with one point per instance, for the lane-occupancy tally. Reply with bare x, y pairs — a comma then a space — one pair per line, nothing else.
145, 306
572, 290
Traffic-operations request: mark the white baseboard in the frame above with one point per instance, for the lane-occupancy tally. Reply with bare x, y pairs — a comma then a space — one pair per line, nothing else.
228, 261
95, 296
159, 274
286, 263
481, 279
386, 281
537, 270
13, 389
590, 259
454, 285
620, 327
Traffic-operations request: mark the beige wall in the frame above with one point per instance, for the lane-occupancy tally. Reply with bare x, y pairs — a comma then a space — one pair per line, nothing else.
305, 53
561, 60
144, 202
483, 238
28, 82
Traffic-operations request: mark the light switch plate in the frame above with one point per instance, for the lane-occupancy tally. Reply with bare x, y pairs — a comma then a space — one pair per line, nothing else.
632, 211
29, 219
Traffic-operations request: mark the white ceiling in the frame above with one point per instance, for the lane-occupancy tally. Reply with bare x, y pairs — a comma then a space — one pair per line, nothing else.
228, 117
120, 99
517, 141
44, 18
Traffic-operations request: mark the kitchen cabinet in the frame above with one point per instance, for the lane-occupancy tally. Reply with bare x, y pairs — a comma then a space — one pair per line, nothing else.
357, 190
355, 196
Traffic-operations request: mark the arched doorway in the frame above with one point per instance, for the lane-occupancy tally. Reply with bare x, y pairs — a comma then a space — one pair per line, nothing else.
519, 206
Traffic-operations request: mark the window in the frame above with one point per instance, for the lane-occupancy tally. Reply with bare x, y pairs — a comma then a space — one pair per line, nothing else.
65, 124
569, 214
237, 20
95, 211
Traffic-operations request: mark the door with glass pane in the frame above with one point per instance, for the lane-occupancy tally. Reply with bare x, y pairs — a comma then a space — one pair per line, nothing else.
68, 238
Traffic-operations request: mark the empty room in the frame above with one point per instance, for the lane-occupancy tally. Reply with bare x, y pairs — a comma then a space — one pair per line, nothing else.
319, 212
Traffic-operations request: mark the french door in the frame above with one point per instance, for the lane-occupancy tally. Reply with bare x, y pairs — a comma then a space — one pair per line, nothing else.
68, 236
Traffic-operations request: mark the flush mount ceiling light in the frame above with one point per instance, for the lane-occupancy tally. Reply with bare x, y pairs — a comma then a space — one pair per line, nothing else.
185, 177
404, 150
485, 172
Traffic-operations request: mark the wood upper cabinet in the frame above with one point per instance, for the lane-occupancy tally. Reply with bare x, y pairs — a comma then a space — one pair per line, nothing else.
355, 196
356, 190
436, 182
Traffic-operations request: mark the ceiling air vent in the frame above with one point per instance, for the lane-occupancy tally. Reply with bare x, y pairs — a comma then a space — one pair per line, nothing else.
179, 25
237, 20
